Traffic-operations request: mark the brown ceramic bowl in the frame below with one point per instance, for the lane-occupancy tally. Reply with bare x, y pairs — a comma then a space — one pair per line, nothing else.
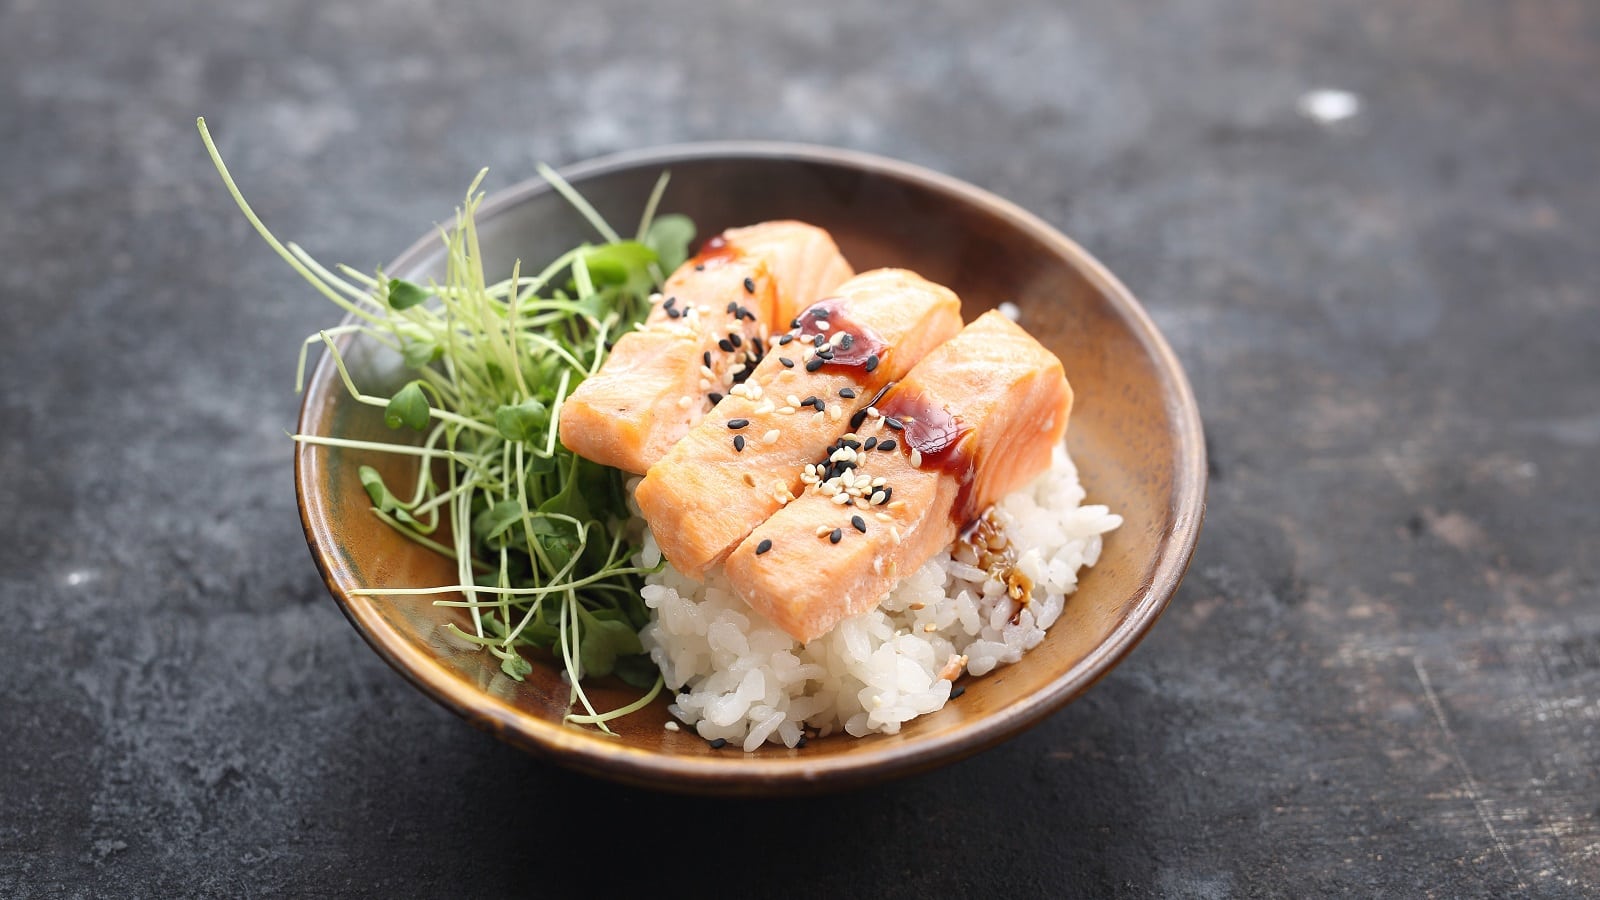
1135, 434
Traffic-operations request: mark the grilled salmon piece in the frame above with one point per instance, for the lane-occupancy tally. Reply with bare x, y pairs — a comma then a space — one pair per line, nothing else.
976, 419
705, 335
745, 460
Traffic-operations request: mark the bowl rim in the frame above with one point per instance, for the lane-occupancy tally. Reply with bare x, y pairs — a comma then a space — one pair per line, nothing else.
597, 754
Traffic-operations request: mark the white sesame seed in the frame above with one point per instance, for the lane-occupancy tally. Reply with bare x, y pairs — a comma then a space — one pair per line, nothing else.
756, 391
822, 324
786, 410
807, 353
841, 498
770, 437
705, 385
877, 498
706, 371
879, 481
916, 458
894, 534
897, 504
765, 408
823, 531
792, 400
739, 390
883, 517
684, 401
671, 725
817, 417
837, 339
656, 297
877, 565
829, 487
872, 412
737, 369
835, 413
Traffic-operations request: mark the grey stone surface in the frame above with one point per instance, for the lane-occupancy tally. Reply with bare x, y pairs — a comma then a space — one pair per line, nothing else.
1382, 676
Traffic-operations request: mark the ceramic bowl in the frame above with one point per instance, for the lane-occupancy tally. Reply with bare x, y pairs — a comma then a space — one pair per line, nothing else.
1135, 435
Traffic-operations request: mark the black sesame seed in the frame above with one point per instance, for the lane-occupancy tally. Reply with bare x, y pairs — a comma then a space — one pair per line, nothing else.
673, 314
846, 341
706, 358
749, 285
872, 362
815, 364
887, 493
859, 523
719, 743
821, 312
894, 423
738, 442
809, 401
819, 341
735, 340
670, 302
784, 339
733, 308
795, 322
737, 424
857, 419
825, 353
725, 345
714, 397
836, 536
800, 743
699, 267
787, 362
886, 446
957, 691
871, 442
763, 547
853, 445
847, 393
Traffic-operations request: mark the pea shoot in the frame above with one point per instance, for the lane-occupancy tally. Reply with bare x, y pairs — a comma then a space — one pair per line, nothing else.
539, 534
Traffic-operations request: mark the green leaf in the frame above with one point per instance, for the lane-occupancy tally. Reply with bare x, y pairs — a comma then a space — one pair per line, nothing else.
669, 236
527, 421
601, 641
496, 520
619, 263
541, 465
516, 667
419, 354
637, 671
407, 407
404, 295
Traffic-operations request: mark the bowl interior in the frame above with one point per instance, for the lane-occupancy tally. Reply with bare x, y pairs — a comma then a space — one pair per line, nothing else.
1134, 434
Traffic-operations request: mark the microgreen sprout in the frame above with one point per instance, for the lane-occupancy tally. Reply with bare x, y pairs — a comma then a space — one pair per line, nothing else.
539, 535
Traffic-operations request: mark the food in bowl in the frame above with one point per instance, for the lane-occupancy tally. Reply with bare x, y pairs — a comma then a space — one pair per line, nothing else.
511, 484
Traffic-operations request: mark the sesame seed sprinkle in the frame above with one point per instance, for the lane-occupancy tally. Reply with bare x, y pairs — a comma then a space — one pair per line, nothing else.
770, 437
738, 443
822, 325
916, 458
835, 535
764, 546
847, 393
684, 401
749, 285
894, 423
856, 419
784, 339
887, 446
822, 530
737, 424
715, 398
872, 362
859, 524
814, 365
725, 345
787, 362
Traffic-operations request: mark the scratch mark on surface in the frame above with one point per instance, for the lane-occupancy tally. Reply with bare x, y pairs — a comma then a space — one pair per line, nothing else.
1468, 781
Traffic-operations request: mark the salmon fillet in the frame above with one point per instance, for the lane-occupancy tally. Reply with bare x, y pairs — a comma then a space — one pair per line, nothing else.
976, 419
744, 461
705, 335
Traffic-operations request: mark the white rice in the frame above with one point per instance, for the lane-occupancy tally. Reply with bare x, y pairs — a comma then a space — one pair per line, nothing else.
750, 683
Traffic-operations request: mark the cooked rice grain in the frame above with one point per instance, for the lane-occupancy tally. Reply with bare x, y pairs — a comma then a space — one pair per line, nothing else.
751, 683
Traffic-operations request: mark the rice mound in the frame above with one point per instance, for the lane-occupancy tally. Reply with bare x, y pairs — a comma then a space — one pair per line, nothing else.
741, 678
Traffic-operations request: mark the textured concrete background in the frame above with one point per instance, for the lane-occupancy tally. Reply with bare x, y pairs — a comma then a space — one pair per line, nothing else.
1382, 676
